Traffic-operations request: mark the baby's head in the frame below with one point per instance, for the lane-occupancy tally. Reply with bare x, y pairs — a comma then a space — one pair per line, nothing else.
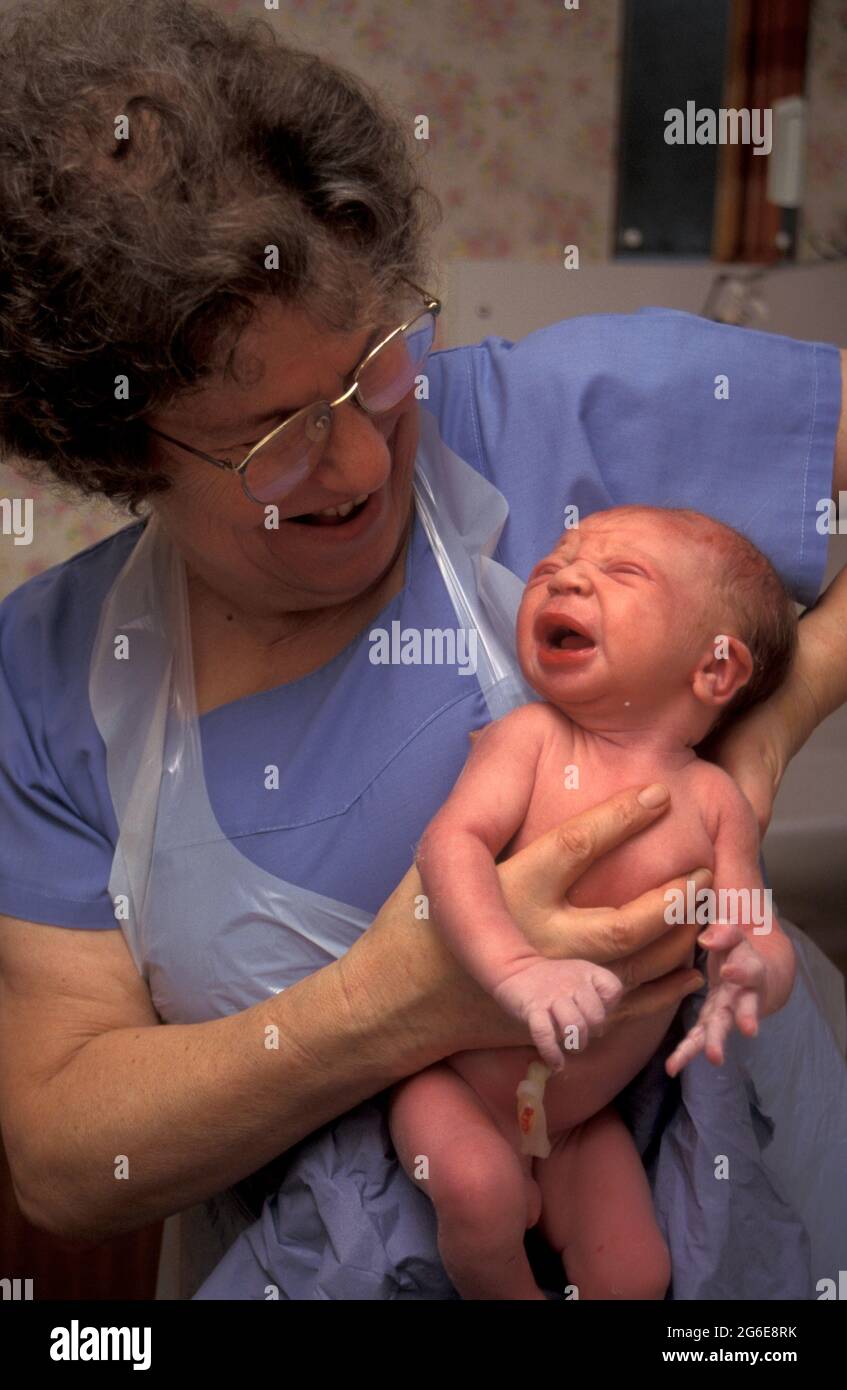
641, 613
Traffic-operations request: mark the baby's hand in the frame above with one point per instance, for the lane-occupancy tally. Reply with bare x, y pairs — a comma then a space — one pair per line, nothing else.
552, 995
737, 977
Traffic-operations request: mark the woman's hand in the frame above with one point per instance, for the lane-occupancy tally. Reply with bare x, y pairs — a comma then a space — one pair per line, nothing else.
451, 1012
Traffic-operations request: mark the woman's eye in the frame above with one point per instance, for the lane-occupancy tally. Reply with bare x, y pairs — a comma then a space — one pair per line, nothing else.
223, 450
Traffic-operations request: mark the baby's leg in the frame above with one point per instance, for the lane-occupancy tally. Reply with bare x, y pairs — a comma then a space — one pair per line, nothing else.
597, 1211
483, 1196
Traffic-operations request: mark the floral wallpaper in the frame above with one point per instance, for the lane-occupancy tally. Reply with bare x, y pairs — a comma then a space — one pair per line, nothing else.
825, 207
521, 98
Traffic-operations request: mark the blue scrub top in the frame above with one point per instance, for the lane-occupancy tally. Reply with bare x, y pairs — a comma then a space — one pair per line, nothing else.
595, 411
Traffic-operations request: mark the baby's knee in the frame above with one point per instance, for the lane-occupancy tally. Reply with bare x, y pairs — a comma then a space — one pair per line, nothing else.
657, 1275
634, 1271
647, 1273
480, 1190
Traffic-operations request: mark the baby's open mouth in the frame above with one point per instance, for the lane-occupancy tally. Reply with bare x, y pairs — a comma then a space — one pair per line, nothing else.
562, 640
567, 639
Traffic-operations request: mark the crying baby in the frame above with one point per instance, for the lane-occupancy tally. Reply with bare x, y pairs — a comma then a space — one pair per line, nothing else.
639, 630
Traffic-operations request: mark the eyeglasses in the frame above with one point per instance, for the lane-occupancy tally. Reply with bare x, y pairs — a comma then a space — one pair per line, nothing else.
277, 463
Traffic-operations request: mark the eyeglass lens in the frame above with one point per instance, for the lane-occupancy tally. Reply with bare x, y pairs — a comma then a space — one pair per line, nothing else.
383, 383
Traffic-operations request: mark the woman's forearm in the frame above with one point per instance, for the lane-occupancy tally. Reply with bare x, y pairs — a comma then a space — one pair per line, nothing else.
191, 1109
817, 683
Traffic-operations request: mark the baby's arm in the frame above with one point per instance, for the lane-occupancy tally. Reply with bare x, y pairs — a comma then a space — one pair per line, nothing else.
751, 964
456, 858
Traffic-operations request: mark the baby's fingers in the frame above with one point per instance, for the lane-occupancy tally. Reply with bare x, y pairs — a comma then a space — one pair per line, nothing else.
721, 936
746, 969
595, 1000
691, 1044
608, 987
543, 1033
570, 1014
747, 1013
718, 1027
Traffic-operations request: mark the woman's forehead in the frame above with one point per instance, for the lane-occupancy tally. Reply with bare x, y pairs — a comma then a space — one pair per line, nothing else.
280, 339
281, 361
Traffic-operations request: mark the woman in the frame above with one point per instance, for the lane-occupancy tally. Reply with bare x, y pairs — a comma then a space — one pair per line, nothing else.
176, 285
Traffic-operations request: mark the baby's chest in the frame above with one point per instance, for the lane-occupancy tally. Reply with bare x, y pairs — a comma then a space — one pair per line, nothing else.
676, 844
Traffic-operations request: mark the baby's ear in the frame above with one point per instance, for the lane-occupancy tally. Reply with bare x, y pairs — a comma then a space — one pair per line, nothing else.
722, 671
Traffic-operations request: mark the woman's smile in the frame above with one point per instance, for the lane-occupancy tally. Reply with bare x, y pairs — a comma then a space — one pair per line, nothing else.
333, 516
336, 530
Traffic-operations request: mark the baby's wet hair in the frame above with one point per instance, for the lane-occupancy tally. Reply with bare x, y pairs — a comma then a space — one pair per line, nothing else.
759, 608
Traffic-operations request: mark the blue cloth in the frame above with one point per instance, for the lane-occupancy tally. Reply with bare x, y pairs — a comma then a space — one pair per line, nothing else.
592, 411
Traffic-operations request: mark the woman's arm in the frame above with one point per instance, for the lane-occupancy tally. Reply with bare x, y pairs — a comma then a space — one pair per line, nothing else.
817, 682
88, 1074
758, 747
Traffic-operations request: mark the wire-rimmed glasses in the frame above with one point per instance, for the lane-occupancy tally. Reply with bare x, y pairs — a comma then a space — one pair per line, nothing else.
283, 458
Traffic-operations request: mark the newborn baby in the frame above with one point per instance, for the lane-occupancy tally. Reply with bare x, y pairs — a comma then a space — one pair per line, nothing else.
639, 630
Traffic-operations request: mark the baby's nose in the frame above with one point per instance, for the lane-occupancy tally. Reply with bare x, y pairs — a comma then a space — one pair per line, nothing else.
571, 579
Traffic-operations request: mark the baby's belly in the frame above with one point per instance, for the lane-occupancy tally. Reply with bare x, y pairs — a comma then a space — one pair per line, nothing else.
589, 1080
675, 845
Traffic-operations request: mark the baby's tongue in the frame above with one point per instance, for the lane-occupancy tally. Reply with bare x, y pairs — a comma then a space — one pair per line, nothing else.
575, 642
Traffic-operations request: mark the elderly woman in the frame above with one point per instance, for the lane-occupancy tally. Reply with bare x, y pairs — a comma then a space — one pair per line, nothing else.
214, 309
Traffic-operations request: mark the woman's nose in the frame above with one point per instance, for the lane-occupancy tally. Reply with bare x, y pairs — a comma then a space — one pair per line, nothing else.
356, 457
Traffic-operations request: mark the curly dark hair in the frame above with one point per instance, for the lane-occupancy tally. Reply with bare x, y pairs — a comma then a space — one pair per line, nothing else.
145, 256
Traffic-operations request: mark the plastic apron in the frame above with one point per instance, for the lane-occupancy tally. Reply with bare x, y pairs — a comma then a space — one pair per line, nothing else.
175, 871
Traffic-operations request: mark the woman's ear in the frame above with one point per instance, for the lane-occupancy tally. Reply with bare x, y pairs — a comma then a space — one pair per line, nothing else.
722, 671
